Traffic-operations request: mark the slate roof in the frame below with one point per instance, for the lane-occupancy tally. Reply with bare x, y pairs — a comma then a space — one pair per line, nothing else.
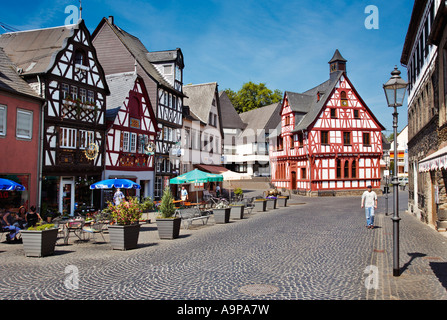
230, 117
138, 51
35, 51
266, 118
10, 81
163, 56
119, 84
199, 99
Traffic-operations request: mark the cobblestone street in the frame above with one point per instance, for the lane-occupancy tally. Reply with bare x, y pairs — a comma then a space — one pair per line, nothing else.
316, 248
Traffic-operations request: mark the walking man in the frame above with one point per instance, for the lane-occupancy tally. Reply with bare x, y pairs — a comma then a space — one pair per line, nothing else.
369, 202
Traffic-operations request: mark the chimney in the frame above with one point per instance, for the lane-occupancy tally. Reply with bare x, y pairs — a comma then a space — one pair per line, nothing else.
111, 20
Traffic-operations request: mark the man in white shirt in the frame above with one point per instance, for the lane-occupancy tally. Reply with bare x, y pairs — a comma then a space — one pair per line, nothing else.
184, 194
369, 202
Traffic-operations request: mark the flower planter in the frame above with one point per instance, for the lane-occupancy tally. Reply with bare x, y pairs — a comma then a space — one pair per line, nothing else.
237, 211
260, 205
271, 204
282, 201
39, 243
222, 215
124, 237
168, 228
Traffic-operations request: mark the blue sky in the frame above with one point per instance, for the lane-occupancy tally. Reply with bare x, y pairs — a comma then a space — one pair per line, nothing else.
285, 44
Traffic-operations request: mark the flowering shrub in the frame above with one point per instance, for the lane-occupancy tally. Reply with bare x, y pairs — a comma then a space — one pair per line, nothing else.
127, 212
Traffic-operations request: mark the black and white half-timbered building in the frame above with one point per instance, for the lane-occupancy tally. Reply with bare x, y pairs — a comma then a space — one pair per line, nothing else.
162, 73
62, 66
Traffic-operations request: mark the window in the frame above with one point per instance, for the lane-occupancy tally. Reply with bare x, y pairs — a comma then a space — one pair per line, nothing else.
65, 88
333, 113
3, 113
85, 138
74, 92
338, 168
324, 137
366, 139
347, 138
134, 107
356, 114
24, 127
133, 142
83, 95
346, 169
80, 57
68, 138
354, 169
303, 173
125, 141
91, 96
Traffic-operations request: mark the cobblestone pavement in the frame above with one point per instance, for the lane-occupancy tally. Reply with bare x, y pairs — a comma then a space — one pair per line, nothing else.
316, 248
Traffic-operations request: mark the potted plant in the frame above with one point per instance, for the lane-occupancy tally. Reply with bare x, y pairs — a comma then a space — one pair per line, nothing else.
40, 240
260, 205
282, 201
237, 211
167, 224
126, 228
271, 202
221, 213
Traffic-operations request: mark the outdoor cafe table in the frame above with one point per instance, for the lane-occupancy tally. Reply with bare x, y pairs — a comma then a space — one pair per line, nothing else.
75, 226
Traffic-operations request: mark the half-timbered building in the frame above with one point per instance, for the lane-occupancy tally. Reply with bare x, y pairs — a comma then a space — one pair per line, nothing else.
61, 65
328, 139
131, 131
162, 73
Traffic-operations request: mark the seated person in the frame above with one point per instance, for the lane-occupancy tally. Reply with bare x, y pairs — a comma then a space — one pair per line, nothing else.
32, 217
7, 223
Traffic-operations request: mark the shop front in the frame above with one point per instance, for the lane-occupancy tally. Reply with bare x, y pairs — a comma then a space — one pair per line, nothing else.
70, 195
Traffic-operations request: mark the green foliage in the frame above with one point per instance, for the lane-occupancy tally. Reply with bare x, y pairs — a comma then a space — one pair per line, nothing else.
42, 226
238, 191
167, 208
252, 96
147, 204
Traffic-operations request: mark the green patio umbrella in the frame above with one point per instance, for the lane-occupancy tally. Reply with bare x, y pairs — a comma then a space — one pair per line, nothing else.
196, 176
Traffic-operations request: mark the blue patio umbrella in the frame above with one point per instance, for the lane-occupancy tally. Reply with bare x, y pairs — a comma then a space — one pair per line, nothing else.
117, 183
9, 185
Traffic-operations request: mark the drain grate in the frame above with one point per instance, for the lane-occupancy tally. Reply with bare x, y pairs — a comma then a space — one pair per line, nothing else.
258, 289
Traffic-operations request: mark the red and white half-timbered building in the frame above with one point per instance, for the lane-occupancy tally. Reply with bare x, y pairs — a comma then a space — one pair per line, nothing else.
131, 132
328, 139
61, 65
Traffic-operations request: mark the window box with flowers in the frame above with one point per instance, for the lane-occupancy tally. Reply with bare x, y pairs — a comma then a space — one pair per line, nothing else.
125, 231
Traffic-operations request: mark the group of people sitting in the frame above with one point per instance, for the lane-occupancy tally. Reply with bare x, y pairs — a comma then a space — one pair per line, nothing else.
14, 222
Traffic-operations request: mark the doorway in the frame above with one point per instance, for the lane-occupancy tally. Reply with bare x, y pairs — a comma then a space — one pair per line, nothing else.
293, 183
67, 195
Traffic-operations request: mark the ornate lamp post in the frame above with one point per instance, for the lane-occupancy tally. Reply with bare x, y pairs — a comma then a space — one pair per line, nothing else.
395, 90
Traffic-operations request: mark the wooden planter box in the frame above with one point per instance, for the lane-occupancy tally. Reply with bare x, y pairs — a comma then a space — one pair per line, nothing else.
271, 204
237, 211
282, 201
39, 243
222, 215
168, 228
124, 237
260, 205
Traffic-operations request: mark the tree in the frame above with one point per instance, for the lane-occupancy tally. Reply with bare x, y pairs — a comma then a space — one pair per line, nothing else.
252, 96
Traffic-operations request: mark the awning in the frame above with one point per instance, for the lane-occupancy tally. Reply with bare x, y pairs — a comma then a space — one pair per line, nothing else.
211, 168
435, 161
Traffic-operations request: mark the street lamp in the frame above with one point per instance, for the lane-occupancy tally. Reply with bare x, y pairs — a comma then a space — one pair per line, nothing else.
395, 90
